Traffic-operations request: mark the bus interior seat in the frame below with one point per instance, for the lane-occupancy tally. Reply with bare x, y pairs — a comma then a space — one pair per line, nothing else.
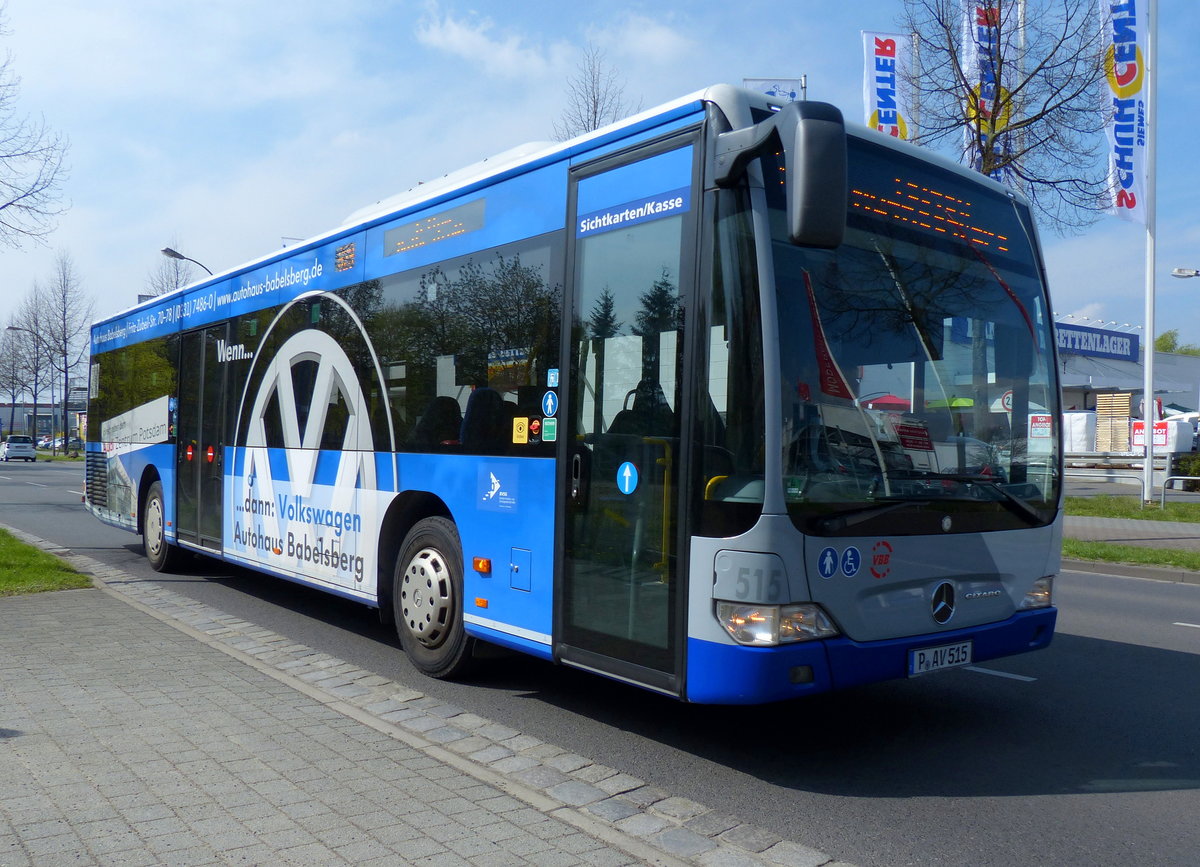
440, 424
487, 422
648, 415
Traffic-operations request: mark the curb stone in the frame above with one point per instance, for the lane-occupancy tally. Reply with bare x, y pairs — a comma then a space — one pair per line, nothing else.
1129, 570
614, 807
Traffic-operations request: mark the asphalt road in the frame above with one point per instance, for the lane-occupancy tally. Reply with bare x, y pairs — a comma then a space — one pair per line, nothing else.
1085, 753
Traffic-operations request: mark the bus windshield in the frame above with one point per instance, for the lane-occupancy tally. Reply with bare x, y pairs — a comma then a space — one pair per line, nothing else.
919, 391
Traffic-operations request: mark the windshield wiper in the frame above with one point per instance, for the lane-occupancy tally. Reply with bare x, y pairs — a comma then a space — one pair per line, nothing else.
856, 516
1014, 503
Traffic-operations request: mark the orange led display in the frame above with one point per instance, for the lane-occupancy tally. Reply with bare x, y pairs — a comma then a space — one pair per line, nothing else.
928, 209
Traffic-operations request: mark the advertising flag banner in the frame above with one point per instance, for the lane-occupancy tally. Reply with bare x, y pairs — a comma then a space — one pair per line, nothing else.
989, 107
887, 91
1124, 34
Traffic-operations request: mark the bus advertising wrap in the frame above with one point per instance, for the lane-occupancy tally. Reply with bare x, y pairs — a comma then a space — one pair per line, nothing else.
887, 94
1124, 32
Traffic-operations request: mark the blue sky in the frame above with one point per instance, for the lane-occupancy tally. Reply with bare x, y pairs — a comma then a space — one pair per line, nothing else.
230, 125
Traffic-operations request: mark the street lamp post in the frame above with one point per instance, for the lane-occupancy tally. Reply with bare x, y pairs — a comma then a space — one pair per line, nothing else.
173, 254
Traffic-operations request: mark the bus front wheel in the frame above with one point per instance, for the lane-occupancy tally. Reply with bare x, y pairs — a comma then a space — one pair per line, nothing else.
427, 599
161, 554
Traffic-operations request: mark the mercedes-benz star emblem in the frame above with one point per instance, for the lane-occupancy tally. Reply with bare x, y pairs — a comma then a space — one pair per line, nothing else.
942, 604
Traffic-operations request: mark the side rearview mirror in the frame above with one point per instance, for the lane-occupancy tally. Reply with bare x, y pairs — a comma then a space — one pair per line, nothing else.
812, 137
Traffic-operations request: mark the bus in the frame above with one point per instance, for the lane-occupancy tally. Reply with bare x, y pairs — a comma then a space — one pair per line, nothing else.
729, 401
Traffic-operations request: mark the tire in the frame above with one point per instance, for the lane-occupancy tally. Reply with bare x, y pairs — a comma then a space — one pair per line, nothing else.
162, 555
427, 600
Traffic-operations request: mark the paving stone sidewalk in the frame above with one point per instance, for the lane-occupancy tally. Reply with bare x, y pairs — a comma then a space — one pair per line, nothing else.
1134, 531
140, 727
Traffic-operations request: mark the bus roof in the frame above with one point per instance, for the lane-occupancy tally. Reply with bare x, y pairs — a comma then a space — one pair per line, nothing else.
736, 104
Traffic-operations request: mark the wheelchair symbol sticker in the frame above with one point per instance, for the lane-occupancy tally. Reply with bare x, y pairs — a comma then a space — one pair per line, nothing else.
851, 560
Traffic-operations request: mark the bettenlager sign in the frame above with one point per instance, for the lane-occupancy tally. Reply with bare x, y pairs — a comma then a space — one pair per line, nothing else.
1080, 340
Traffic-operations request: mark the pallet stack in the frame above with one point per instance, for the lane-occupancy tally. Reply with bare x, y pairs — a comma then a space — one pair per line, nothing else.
1112, 421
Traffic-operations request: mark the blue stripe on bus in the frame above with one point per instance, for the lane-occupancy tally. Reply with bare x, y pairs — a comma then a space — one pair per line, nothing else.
512, 642
735, 674
633, 183
277, 459
854, 663
385, 471
514, 210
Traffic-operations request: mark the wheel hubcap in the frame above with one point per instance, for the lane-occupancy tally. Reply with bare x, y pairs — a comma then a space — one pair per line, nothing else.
427, 597
154, 527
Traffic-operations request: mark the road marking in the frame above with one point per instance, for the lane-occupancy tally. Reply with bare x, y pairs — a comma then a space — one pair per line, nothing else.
1192, 625
36, 485
994, 673
75, 492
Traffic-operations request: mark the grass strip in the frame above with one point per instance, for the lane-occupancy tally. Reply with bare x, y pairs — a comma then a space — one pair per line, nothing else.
1108, 506
26, 569
1135, 555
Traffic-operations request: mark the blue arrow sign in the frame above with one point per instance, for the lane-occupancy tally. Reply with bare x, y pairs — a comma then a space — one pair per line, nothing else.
627, 478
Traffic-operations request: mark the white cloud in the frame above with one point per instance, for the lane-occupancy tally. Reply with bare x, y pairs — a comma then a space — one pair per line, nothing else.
1088, 313
647, 42
473, 39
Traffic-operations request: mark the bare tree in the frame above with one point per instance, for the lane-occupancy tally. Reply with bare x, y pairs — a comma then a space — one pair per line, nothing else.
171, 274
1039, 130
12, 383
595, 97
31, 165
68, 313
36, 365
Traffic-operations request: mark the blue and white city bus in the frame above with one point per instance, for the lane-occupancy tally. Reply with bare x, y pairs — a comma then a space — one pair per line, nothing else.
727, 401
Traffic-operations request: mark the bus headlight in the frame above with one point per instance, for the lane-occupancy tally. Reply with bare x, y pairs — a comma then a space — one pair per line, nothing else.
768, 625
1041, 594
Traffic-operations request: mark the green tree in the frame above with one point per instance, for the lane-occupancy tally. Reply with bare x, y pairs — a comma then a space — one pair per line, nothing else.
1168, 341
603, 320
661, 313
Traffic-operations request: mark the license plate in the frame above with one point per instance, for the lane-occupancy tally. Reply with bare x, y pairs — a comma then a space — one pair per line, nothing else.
924, 660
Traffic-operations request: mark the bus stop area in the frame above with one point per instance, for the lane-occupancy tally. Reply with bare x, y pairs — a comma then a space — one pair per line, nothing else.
167, 732
141, 727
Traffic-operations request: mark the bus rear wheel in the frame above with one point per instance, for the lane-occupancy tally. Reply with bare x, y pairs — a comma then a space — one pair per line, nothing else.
427, 600
162, 555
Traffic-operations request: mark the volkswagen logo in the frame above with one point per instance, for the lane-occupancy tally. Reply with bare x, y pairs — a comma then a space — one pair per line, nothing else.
942, 604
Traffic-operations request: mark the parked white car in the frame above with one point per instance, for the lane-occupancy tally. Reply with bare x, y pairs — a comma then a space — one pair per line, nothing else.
18, 446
